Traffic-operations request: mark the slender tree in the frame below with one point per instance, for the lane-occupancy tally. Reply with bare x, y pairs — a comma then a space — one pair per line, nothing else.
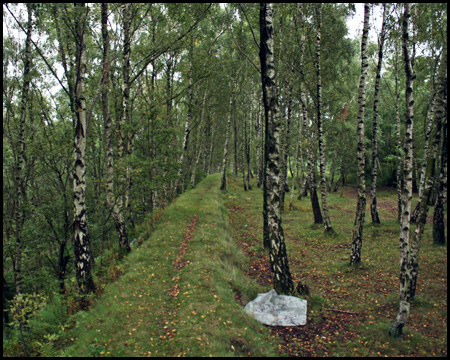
223, 183
83, 257
282, 279
361, 204
115, 205
405, 270
323, 183
373, 186
187, 127
19, 214
441, 114
397, 130
430, 117
428, 175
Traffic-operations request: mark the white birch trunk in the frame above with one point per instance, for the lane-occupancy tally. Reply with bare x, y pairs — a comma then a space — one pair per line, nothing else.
361, 204
405, 270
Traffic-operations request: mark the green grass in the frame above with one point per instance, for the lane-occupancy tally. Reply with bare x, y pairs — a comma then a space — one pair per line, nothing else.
370, 290
157, 309
138, 315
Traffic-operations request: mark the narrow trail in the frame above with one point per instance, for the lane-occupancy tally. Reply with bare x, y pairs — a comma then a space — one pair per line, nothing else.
177, 294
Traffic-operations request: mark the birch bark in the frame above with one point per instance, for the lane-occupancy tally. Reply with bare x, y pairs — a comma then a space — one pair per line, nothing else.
82, 251
397, 325
114, 204
223, 183
323, 183
373, 186
282, 279
361, 204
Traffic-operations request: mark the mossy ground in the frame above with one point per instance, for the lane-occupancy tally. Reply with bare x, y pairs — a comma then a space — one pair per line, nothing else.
177, 300
350, 308
183, 289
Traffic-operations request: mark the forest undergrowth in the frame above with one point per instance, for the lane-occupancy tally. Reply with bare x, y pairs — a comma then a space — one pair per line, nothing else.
349, 308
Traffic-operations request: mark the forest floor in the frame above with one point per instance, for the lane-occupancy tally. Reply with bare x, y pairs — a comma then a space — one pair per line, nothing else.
176, 296
349, 308
183, 289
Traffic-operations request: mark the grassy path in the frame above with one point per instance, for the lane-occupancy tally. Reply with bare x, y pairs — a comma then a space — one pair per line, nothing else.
178, 292
183, 289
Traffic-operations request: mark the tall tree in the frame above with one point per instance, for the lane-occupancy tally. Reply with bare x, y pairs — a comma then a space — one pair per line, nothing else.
361, 203
428, 176
323, 184
115, 205
282, 279
82, 251
187, 127
441, 114
19, 215
223, 183
125, 118
405, 270
373, 186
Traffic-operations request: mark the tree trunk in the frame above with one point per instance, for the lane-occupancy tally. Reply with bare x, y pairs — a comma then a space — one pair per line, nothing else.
323, 182
223, 184
441, 115
336, 186
83, 258
248, 143
187, 128
430, 113
282, 279
373, 187
259, 167
399, 141
201, 142
115, 205
361, 203
427, 178
125, 111
397, 325
332, 171
297, 153
19, 216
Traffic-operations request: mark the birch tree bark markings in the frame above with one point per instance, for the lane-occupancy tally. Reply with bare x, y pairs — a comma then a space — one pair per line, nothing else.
397, 325
361, 204
83, 258
282, 280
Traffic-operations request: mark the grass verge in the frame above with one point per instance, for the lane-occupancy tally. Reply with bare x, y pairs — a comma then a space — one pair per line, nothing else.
181, 292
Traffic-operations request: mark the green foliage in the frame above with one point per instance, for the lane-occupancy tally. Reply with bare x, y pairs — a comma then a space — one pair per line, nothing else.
24, 307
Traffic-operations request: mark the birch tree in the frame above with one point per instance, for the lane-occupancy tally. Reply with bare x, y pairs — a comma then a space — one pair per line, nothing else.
19, 215
114, 204
323, 184
428, 176
361, 204
373, 186
83, 257
223, 183
282, 280
397, 325
441, 114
